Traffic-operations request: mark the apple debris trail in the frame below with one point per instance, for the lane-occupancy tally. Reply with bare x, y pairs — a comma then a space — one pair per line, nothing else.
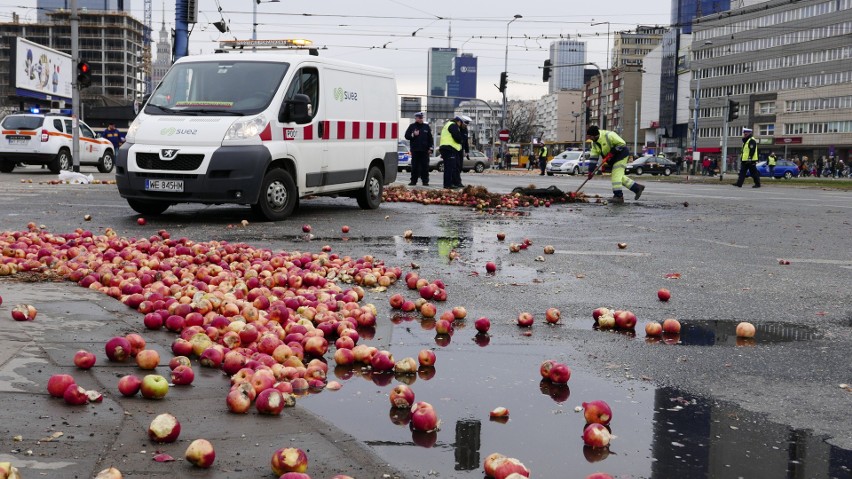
479, 197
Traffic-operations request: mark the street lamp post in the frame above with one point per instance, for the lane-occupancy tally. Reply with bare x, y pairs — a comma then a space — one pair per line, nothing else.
505, 71
576, 115
607, 40
254, 5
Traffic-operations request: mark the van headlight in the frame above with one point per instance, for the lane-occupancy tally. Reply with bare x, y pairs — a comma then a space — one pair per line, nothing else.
247, 129
130, 136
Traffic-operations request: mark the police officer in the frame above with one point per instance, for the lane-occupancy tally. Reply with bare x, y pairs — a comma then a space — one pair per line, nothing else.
748, 163
465, 153
613, 151
419, 134
450, 149
542, 158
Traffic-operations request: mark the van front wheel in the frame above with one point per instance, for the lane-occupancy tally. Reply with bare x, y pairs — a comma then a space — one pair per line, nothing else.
278, 195
370, 196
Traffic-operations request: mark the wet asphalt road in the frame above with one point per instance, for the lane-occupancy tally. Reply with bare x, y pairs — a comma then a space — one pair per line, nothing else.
725, 244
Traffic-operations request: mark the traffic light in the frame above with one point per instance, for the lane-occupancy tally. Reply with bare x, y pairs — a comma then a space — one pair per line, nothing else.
545, 73
733, 110
588, 115
503, 79
84, 74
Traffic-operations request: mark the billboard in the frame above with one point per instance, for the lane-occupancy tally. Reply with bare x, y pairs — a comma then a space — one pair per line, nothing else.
41, 72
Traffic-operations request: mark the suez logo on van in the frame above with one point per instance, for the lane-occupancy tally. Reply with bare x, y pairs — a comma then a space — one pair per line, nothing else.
342, 95
171, 131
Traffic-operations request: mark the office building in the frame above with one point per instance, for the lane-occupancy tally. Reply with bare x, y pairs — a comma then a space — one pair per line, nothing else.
685, 11
567, 52
47, 6
462, 83
438, 69
631, 46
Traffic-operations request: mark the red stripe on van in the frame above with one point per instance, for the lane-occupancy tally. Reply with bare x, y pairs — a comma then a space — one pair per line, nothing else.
308, 132
266, 134
369, 130
341, 130
356, 130
394, 130
326, 129
383, 130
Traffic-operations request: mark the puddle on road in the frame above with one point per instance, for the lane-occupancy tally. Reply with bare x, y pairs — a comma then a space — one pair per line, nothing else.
713, 333
659, 432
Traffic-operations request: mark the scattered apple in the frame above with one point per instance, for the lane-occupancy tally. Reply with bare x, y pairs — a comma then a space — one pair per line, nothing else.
154, 386
148, 359
549, 249
182, 375
499, 412
289, 459
482, 325
653, 329
58, 383
109, 473
671, 326
552, 315
129, 385
75, 395
141, 221
596, 435
622, 245
525, 319
306, 228
24, 312
84, 359
344, 229
200, 453
663, 294
745, 330
490, 267
597, 412
165, 428
118, 349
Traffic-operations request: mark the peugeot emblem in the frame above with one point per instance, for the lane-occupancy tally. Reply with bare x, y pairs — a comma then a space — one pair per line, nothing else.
168, 154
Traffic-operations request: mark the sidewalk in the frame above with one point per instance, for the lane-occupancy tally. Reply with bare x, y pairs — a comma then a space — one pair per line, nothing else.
44, 437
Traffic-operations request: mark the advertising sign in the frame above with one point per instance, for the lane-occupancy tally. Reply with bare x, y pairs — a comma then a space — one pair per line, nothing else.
42, 72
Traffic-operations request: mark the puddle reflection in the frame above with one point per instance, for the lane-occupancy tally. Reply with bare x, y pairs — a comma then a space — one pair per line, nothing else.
710, 333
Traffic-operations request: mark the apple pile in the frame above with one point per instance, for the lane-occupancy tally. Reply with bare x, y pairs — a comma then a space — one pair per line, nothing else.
473, 196
606, 318
64, 386
554, 371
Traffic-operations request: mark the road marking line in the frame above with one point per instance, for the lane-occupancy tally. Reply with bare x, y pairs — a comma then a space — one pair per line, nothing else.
723, 243
602, 253
822, 261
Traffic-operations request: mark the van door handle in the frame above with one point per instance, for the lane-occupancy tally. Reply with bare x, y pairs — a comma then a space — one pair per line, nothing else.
321, 129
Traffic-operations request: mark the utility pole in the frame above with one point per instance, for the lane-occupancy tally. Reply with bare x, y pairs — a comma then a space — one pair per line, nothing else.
75, 89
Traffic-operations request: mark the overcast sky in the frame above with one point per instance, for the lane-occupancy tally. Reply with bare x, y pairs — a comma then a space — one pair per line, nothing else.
397, 34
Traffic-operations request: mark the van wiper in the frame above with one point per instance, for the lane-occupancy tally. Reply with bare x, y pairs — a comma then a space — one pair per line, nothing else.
212, 111
163, 108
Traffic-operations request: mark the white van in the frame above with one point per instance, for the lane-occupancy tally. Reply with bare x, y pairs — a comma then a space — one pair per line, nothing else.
261, 129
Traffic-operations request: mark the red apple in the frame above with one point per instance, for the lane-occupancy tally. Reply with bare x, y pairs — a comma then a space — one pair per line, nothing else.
58, 383
200, 453
84, 359
525, 319
344, 229
671, 326
75, 395
165, 428
459, 312
501, 236
129, 385
745, 330
597, 412
552, 315
137, 343
154, 386
559, 373
141, 221
625, 320
289, 459
182, 375
653, 329
490, 267
663, 294
426, 357
118, 349
428, 310
239, 398
181, 361
24, 312
596, 435
148, 359
402, 396
482, 325
396, 301
306, 228
270, 401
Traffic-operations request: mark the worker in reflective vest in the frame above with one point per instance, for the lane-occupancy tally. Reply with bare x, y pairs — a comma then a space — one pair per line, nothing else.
612, 150
748, 161
770, 162
450, 149
542, 158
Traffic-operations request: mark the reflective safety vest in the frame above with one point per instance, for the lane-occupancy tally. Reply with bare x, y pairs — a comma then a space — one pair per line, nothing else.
771, 160
543, 152
447, 137
745, 156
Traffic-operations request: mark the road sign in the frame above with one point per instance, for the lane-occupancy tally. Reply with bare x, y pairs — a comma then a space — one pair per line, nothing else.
503, 135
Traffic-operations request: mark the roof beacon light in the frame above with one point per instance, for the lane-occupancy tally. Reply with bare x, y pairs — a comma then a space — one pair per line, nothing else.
291, 44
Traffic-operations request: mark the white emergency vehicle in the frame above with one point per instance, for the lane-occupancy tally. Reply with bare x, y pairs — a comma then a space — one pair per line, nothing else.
263, 129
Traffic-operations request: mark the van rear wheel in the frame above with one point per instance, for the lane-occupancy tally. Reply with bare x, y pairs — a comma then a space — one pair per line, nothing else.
146, 207
370, 196
6, 166
278, 195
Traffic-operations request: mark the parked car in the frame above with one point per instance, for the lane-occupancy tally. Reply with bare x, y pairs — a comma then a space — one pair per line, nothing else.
783, 169
654, 165
404, 157
477, 162
45, 139
572, 162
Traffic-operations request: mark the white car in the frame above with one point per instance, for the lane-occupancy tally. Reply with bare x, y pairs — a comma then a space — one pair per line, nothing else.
571, 162
45, 139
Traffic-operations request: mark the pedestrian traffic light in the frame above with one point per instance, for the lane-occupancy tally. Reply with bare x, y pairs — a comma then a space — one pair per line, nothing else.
545, 74
503, 79
733, 110
84, 74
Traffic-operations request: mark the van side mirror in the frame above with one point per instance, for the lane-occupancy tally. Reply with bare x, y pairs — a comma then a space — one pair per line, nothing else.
295, 109
145, 98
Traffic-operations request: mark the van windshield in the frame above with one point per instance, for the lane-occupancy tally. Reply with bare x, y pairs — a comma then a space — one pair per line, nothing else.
217, 88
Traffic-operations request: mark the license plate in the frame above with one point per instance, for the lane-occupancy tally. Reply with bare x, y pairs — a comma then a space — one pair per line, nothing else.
174, 186
18, 141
